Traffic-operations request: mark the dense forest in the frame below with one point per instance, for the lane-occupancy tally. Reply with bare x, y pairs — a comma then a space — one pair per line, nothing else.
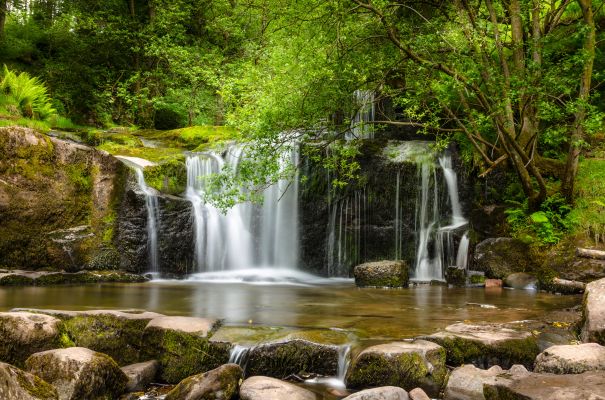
516, 83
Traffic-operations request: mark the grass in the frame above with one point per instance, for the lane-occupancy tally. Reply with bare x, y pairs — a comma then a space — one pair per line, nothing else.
42, 126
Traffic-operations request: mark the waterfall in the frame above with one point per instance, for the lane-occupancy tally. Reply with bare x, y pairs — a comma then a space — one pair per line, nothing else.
462, 254
239, 355
247, 235
153, 216
445, 161
361, 127
343, 362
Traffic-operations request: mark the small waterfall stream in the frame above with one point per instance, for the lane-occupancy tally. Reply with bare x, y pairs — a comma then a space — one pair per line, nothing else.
361, 128
239, 355
153, 218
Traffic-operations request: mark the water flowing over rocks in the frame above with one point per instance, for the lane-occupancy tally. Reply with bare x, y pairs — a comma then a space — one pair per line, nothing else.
140, 375
380, 393
571, 359
16, 384
221, 383
466, 382
23, 333
78, 373
593, 329
392, 274
407, 365
266, 388
487, 345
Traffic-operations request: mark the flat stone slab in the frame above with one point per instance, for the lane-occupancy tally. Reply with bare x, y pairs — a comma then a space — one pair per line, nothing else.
20, 385
47, 278
380, 393
140, 375
466, 382
487, 345
266, 388
593, 329
408, 365
198, 326
24, 333
588, 385
571, 359
392, 274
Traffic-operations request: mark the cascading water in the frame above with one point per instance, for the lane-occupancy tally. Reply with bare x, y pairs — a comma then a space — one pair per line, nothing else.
247, 235
462, 255
361, 127
337, 381
239, 355
153, 218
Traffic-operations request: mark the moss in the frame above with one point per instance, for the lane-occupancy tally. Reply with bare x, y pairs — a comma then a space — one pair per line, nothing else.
168, 177
16, 280
35, 386
477, 279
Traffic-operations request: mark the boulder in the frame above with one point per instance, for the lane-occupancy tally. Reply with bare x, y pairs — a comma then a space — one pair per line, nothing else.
182, 346
499, 257
493, 283
265, 388
20, 385
221, 383
571, 359
486, 345
588, 385
593, 313
418, 394
408, 365
382, 274
466, 382
456, 276
24, 333
563, 286
78, 373
521, 280
380, 393
140, 375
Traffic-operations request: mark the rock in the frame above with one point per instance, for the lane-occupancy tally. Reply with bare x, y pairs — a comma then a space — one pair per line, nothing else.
589, 385
486, 345
521, 280
407, 365
499, 257
493, 283
456, 276
265, 388
466, 382
140, 375
590, 253
16, 384
571, 359
593, 313
182, 346
24, 333
380, 393
418, 394
221, 383
382, 274
78, 373
563, 286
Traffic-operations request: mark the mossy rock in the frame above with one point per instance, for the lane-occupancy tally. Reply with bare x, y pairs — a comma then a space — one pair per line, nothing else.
182, 346
487, 345
392, 274
456, 276
21, 385
220, 383
403, 364
15, 280
168, 177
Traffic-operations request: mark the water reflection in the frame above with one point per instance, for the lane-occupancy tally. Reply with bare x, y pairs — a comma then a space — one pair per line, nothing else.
373, 313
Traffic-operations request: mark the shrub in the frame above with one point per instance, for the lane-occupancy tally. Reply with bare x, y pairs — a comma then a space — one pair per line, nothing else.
25, 94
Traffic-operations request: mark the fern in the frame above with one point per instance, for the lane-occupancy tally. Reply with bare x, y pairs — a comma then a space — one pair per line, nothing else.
25, 93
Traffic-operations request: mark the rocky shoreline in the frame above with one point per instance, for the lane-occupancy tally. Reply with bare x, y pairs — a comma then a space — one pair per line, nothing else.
110, 354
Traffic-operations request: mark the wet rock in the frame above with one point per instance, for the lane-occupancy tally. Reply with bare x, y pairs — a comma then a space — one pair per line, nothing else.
221, 383
20, 385
456, 276
486, 345
589, 385
23, 333
500, 257
493, 283
466, 382
380, 393
46, 278
140, 375
266, 388
593, 329
521, 280
78, 373
418, 394
182, 346
563, 286
571, 359
382, 274
404, 364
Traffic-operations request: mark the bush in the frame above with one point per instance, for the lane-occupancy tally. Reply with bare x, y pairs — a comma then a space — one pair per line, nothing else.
26, 95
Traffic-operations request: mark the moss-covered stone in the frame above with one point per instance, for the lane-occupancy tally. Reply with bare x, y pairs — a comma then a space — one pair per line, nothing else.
43, 278
220, 383
456, 276
12, 279
18, 384
404, 364
168, 177
393, 274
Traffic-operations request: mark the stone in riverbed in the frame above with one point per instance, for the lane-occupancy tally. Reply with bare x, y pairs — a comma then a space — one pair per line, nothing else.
221, 383
521, 280
182, 346
499, 257
589, 386
408, 365
593, 315
486, 345
466, 382
418, 394
380, 393
140, 375
456, 276
78, 373
571, 359
392, 274
23, 334
20, 385
265, 388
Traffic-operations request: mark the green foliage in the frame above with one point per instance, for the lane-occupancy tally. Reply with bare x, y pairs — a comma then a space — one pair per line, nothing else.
588, 213
24, 96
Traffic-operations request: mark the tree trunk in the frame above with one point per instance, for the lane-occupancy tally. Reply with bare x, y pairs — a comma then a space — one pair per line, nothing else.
577, 134
3, 12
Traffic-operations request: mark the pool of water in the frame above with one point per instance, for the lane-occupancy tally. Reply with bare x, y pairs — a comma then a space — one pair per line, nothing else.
371, 313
